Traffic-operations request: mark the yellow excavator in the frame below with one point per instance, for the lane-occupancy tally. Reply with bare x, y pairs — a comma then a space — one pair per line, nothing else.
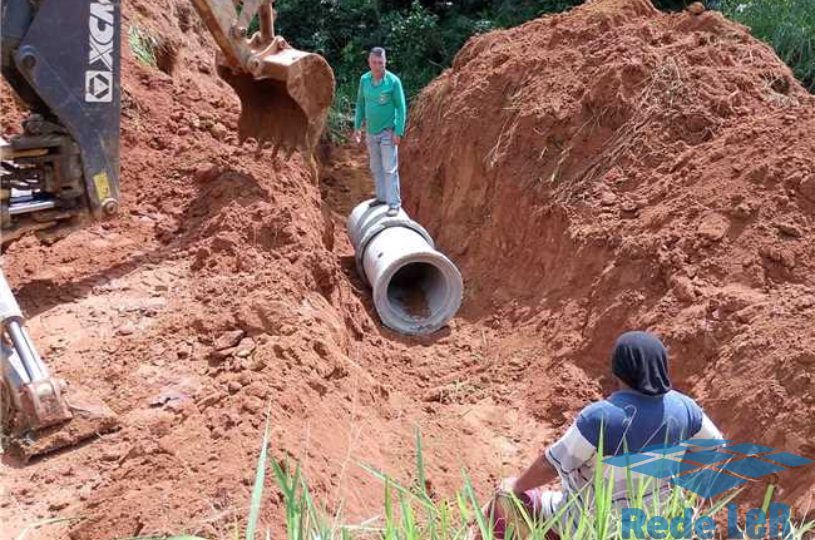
62, 58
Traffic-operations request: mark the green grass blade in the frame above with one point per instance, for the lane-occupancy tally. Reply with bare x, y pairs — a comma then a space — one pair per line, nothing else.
260, 478
480, 518
768, 498
398, 487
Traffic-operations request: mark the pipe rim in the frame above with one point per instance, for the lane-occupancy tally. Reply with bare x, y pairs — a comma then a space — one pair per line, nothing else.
374, 229
393, 319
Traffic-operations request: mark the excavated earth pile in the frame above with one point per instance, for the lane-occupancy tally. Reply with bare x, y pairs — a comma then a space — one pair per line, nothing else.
615, 167
590, 172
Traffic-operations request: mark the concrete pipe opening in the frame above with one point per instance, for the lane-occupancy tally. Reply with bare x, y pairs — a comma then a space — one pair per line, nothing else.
414, 288
419, 296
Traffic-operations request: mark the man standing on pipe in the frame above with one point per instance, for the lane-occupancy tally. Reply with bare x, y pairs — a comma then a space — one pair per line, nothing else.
381, 107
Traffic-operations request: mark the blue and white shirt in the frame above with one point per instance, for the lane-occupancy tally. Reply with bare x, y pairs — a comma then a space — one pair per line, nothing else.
627, 421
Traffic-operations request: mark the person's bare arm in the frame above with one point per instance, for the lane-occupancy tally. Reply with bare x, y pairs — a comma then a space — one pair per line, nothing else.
540, 472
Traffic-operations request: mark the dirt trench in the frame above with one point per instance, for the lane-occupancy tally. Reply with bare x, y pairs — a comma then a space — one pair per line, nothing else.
190, 340
590, 172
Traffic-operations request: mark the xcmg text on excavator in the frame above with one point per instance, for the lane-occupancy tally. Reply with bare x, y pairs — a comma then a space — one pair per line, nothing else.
62, 59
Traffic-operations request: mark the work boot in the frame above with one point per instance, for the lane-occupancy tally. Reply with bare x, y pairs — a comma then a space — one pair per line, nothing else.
392, 212
376, 202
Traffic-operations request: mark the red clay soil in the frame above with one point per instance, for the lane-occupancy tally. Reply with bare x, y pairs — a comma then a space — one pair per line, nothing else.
590, 172
225, 286
613, 168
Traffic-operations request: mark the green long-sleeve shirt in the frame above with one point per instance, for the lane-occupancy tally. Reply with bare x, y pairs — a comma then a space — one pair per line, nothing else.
381, 105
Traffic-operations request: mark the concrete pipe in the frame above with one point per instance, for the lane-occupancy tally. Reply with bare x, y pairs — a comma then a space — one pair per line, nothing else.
416, 289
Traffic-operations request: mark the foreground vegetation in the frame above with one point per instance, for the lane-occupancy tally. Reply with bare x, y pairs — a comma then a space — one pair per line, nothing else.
410, 513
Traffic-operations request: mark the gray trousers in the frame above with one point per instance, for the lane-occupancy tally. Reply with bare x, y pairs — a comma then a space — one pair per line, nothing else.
384, 161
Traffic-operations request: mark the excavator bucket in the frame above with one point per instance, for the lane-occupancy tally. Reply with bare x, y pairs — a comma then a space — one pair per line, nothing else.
81, 417
284, 99
43, 416
285, 93
39, 413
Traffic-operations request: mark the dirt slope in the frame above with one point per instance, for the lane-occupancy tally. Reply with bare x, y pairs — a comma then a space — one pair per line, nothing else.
226, 286
614, 167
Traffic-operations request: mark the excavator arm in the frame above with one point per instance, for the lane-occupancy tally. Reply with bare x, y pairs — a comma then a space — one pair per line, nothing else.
62, 58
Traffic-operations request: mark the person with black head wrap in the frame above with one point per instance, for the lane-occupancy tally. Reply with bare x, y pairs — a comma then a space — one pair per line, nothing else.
640, 360
645, 413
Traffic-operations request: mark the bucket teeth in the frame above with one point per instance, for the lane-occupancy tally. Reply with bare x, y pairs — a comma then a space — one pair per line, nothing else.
87, 418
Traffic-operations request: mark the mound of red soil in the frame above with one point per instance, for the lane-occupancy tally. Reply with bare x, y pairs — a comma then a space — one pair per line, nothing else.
615, 167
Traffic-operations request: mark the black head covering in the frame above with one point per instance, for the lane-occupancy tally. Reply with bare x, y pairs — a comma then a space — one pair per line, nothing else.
641, 361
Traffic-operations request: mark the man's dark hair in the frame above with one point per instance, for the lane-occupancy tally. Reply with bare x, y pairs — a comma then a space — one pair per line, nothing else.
378, 52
